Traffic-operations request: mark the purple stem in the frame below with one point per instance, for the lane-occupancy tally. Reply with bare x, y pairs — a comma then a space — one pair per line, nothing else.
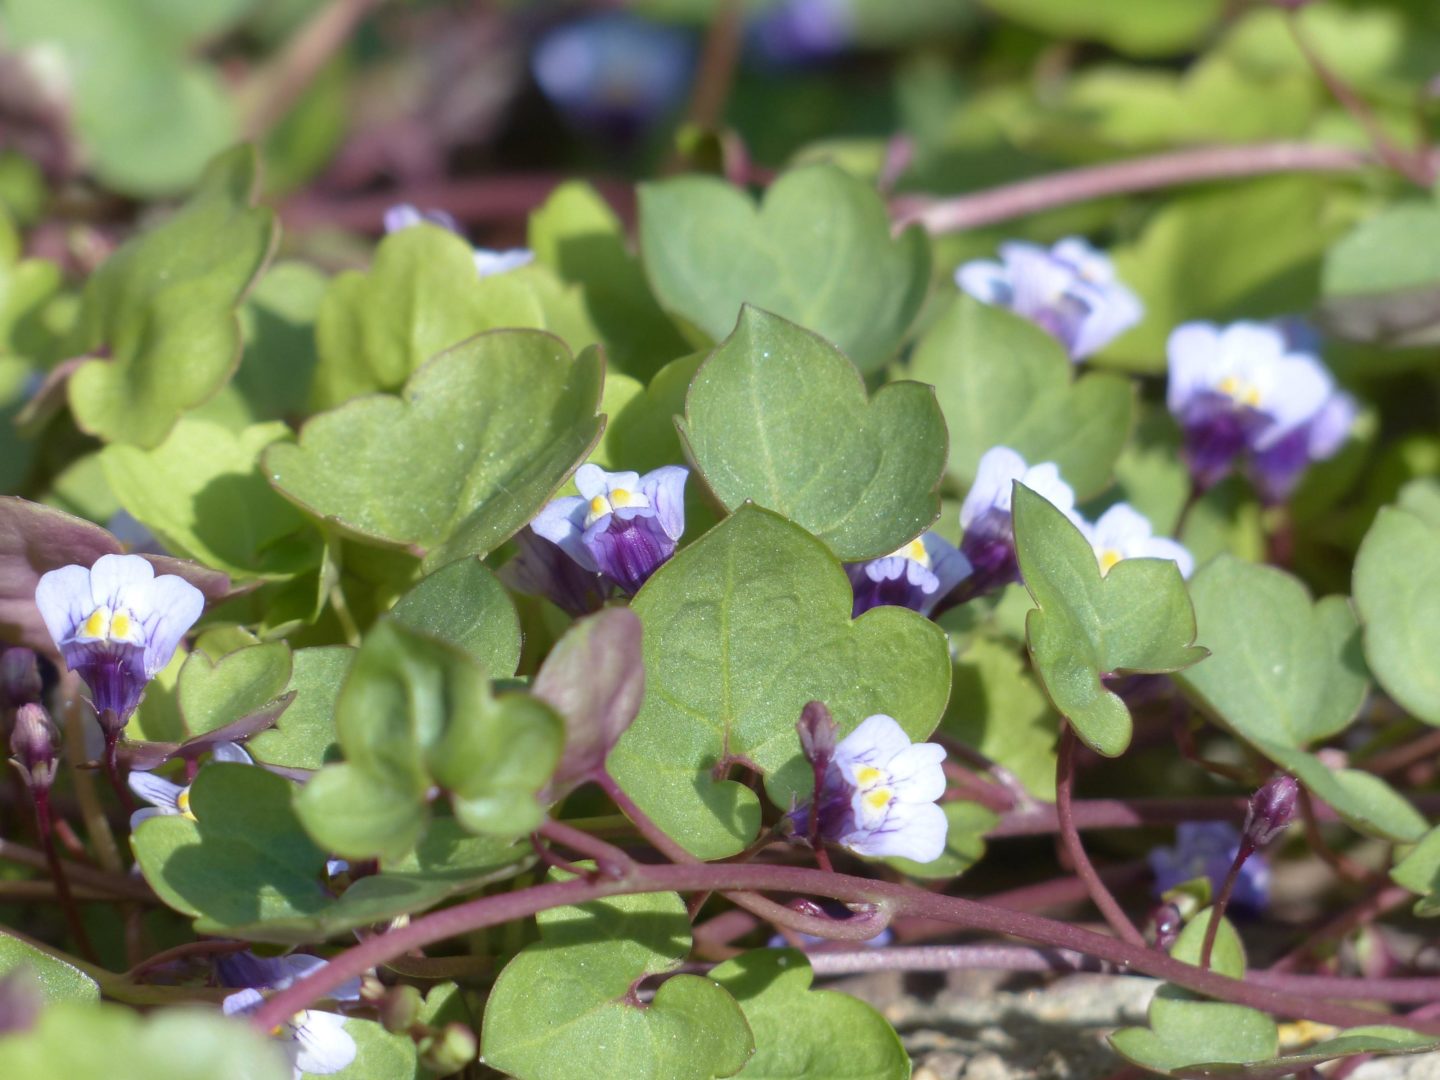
892, 899
57, 875
1227, 889
1190, 166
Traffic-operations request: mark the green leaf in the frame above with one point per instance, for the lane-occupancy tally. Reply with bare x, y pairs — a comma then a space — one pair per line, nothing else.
1361, 798
278, 320
1002, 381
1155, 28
164, 309
778, 417
562, 1009
422, 296
743, 628
465, 604
643, 436
73, 1041
997, 708
490, 429
213, 693
304, 735
1282, 669
577, 235
804, 1034
416, 712
244, 859
1419, 871
379, 1055
1382, 280
201, 492
57, 980
1397, 592
1135, 619
817, 251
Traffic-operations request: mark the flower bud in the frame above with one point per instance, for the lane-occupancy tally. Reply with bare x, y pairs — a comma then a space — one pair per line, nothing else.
447, 1051
400, 1009
818, 734
32, 747
1271, 810
20, 682
1168, 922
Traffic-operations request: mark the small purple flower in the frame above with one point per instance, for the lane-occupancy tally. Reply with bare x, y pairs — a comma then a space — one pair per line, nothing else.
1122, 532
246, 969
613, 74
117, 625
622, 525
1069, 291
487, 262
1241, 390
1207, 849
918, 576
989, 540
540, 568
878, 796
801, 31
316, 1042
169, 799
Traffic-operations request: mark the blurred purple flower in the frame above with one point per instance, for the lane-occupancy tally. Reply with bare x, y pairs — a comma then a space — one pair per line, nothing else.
622, 525
117, 625
1207, 849
801, 31
1070, 291
989, 540
613, 74
918, 576
487, 262
879, 792
1242, 390
248, 970
1122, 532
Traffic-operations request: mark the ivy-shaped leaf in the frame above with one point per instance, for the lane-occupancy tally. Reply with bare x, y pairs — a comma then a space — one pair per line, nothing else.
163, 309
564, 1008
421, 297
213, 693
1397, 591
778, 417
805, 1034
304, 736
465, 604
1087, 625
817, 251
416, 713
489, 430
1002, 381
741, 630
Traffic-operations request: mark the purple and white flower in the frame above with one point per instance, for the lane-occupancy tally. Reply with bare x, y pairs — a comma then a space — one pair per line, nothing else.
169, 799
540, 568
622, 525
918, 576
878, 795
1070, 291
316, 1042
117, 625
1122, 532
246, 969
487, 262
985, 516
1242, 390
1207, 849
803, 31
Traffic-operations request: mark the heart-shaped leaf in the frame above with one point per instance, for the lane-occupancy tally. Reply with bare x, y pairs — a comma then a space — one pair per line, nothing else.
465, 604
563, 1008
163, 309
1002, 381
1397, 591
817, 251
1361, 798
741, 630
417, 713
1135, 619
1419, 872
594, 678
578, 236
304, 736
213, 693
202, 494
1282, 669
801, 1032
423, 296
490, 429
862, 475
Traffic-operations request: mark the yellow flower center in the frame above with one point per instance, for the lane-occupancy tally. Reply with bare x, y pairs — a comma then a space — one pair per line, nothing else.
1240, 391
915, 552
182, 803
1108, 558
878, 799
103, 624
619, 499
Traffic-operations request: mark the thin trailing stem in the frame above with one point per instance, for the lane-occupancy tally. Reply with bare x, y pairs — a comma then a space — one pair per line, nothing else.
1227, 889
891, 898
1100, 895
609, 859
57, 875
99, 881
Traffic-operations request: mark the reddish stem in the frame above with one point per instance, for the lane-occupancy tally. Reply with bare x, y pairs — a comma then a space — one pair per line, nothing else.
57, 875
1099, 894
1217, 909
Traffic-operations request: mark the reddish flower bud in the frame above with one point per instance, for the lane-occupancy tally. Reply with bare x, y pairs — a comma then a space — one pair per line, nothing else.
818, 734
1271, 809
32, 747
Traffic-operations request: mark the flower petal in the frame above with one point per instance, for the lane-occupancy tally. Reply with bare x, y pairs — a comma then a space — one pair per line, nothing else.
562, 522
665, 488
156, 790
65, 601
911, 830
232, 753
999, 468
121, 581
324, 1046
171, 605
